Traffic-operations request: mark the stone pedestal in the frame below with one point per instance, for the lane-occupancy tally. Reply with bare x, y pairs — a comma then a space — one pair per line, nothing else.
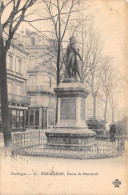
71, 105
71, 130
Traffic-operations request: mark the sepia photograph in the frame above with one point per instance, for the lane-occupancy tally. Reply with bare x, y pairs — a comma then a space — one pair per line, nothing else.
63, 97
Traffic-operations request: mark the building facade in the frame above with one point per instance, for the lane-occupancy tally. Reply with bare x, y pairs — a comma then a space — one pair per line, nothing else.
40, 82
17, 62
41, 111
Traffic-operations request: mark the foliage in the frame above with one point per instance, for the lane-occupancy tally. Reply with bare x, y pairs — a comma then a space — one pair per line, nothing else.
93, 123
121, 126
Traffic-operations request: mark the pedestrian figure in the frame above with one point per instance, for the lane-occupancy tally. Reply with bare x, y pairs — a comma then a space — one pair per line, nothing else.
112, 132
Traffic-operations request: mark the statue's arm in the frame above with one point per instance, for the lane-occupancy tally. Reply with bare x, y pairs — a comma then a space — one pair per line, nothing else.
76, 51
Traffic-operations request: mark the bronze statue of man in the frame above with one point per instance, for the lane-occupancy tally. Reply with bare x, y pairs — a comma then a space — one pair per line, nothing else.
71, 63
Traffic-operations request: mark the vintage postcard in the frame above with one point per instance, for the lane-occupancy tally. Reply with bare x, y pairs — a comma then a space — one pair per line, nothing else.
63, 97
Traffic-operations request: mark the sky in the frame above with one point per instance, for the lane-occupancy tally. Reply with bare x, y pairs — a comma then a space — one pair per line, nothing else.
111, 19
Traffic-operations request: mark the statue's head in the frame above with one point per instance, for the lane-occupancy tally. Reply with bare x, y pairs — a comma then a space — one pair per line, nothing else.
72, 39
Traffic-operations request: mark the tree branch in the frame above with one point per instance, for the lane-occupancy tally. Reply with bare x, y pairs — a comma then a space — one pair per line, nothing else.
41, 19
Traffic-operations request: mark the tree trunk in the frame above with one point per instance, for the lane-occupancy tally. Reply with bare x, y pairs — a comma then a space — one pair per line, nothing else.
113, 115
4, 100
94, 107
58, 64
105, 110
58, 76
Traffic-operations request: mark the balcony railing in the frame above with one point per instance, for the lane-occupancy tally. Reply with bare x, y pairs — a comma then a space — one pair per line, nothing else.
18, 99
44, 88
16, 74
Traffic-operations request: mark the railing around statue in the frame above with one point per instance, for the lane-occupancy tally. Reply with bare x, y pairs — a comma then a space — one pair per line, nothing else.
35, 144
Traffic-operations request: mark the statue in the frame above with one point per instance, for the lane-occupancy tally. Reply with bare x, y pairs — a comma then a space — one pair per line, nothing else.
72, 66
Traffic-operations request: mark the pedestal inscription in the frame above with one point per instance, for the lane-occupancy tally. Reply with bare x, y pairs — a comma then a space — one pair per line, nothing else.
68, 109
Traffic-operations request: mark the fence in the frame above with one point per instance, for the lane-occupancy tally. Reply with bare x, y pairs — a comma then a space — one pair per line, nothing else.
35, 144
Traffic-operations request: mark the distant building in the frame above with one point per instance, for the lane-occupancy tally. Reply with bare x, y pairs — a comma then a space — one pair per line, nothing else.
41, 82
17, 62
41, 111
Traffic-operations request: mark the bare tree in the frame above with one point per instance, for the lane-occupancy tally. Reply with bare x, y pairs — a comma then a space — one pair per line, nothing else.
9, 25
63, 11
106, 77
48, 58
125, 62
92, 64
92, 59
63, 18
113, 97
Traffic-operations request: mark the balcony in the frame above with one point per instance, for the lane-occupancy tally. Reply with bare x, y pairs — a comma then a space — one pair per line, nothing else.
15, 74
40, 89
18, 99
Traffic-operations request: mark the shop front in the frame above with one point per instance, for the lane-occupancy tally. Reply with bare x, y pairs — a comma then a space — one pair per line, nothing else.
17, 118
41, 118
33, 118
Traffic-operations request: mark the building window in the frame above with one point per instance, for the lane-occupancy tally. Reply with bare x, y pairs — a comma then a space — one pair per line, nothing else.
19, 66
34, 118
31, 117
10, 62
21, 119
19, 89
32, 80
13, 118
16, 118
33, 40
